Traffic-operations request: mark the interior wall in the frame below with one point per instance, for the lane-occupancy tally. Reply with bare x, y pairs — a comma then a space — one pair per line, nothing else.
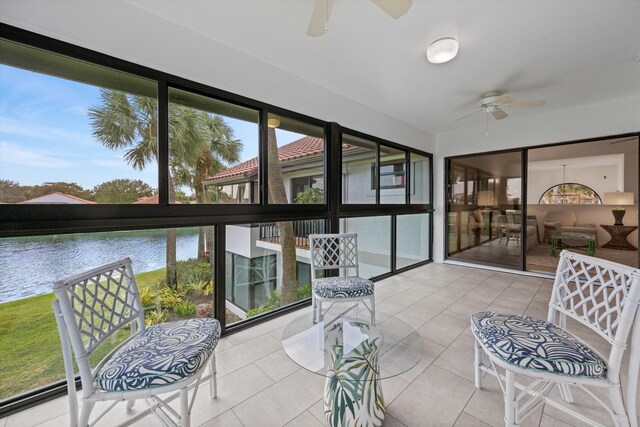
589, 121
127, 32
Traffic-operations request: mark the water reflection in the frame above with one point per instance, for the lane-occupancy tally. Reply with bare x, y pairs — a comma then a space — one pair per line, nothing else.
29, 264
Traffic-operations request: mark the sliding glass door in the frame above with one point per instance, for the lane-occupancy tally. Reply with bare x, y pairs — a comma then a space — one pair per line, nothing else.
484, 209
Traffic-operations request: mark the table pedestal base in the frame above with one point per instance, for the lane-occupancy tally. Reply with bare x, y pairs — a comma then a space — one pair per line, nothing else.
353, 391
353, 403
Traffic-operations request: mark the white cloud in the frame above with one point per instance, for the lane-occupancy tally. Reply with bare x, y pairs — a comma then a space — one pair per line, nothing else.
17, 155
11, 126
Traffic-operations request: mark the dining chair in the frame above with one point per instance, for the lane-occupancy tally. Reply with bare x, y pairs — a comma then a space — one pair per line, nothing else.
338, 252
514, 225
600, 295
94, 306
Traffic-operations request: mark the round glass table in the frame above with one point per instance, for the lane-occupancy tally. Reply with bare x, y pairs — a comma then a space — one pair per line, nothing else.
353, 356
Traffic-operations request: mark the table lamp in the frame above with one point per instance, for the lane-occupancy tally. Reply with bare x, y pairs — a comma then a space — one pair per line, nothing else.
618, 198
485, 199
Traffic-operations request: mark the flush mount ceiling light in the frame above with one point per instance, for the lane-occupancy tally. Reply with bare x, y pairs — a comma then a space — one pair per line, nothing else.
442, 50
273, 122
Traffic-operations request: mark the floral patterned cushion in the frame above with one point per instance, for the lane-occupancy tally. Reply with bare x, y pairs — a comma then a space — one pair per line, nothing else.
535, 344
160, 355
342, 287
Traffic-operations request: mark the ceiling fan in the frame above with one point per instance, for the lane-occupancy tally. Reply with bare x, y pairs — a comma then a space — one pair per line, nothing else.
495, 103
318, 24
632, 138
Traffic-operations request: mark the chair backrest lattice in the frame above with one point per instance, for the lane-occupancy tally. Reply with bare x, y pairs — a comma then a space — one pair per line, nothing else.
514, 217
333, 251
602, 295
97, 303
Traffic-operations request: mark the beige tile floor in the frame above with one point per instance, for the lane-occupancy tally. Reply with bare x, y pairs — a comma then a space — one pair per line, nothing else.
258, 385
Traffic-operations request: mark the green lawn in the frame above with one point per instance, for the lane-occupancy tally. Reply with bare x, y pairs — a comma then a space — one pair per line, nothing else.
30, 351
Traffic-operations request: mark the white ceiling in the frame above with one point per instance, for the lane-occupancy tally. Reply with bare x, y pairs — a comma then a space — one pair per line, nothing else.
569, 53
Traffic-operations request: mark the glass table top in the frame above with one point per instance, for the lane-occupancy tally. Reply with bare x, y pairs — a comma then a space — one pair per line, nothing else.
392, 347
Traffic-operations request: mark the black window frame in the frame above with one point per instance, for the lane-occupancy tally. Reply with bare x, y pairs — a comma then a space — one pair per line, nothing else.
48, 219
394, 173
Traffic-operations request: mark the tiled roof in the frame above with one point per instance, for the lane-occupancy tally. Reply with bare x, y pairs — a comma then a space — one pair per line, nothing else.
301, 148
147, 200
64, 195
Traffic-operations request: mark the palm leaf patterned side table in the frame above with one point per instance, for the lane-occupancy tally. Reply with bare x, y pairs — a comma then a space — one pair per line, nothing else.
353, 393
354, 357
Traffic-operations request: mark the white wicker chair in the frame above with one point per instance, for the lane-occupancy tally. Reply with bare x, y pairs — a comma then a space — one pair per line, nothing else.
601, 295
338, 252
94, 305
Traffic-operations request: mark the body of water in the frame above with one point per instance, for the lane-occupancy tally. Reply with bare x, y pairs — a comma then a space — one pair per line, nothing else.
28, 265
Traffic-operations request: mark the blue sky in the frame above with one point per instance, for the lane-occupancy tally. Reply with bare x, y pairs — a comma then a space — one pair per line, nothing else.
45, 134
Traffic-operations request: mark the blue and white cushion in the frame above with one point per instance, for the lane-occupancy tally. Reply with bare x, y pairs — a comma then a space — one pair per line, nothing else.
535, 344
342, 287
160, 355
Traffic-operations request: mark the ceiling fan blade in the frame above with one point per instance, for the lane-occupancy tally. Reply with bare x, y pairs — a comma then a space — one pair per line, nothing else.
633, 138
498, 114
319, 18
468, 115
503, 99
394, 8
526, 104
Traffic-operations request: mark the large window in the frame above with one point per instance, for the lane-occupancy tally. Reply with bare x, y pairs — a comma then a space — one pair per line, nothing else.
213, 151
174, 283
570, 194
265, 265
300, 154
74, 132
374, 243
412, 239
358, 162
211, 194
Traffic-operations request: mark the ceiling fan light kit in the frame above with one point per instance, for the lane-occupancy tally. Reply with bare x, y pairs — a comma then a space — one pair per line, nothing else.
442, 50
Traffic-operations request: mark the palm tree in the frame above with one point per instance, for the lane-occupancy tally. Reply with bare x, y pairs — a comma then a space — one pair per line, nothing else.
278, 194
130, 121
221, 151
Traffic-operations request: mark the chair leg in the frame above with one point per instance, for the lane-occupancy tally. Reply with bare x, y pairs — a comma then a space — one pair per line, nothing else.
130, 404
313, 308
185, 416
87, 406
373, 310
320, 316
213, 381
565, 392
510, 404
621, 418
478, 363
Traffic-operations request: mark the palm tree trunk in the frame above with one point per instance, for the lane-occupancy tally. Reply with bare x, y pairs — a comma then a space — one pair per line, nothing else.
278, 195
171, 270
201, 175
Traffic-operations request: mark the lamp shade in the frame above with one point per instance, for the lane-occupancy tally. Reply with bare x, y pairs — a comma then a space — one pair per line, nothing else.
619, 198
485, 198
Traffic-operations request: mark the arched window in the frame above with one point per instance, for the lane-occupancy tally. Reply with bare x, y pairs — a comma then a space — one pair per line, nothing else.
570, 194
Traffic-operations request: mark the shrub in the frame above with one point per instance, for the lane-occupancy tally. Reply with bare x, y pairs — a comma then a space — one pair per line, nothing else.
206, 288
193, 270
153, 317
169, 298
184, 309
310, 196
147, 297
274, 300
